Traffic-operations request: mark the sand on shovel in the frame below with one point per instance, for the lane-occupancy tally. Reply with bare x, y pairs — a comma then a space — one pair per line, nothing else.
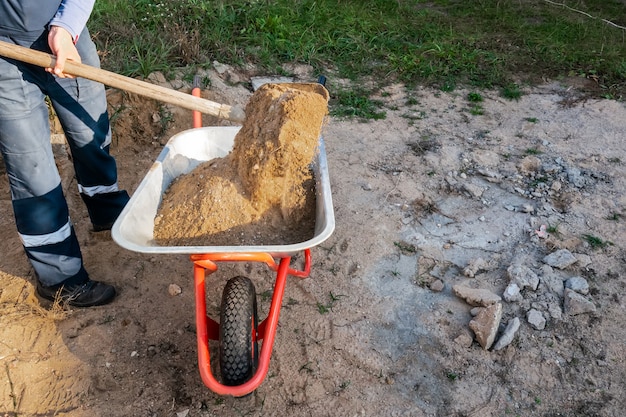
262, 192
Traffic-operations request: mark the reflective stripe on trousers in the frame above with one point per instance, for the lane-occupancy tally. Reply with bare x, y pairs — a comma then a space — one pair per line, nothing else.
41, 212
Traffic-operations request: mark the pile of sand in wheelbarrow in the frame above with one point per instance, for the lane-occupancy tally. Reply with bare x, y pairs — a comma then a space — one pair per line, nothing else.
263, 191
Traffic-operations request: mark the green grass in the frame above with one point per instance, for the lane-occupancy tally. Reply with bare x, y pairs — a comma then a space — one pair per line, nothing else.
596, 242
474, 97
554, 230
614, 217
511, 91
477, 110
325, 308
356, 103
452, 376
501, 44
405, 247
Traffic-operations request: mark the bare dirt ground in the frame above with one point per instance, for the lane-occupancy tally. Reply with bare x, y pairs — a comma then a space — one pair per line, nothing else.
434, 196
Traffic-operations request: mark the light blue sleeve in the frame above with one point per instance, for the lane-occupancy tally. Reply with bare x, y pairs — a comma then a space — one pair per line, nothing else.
72, 15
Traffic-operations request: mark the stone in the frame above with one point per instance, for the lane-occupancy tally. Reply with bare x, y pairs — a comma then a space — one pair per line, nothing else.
257, 82
523, 276
221, 68
464, 340
157, 77
174, 290
554, 309
536, 319
437, 285
552, 281
508, 335
512, 293
474, 190
485, 325
529, 165
578, 284
492, 176
583, 259
560, 259
486, 158
176, 84
476, 297
474, 266
574, 303
575, 177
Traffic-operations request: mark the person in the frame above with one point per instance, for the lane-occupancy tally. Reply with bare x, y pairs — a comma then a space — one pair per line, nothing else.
41, 212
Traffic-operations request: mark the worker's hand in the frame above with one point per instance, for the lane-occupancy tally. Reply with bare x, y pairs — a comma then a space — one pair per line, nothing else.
62, 46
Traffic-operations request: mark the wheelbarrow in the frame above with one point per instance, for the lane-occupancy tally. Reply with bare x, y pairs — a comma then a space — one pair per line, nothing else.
243, 366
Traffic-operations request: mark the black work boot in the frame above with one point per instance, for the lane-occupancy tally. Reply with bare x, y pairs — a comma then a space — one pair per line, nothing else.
87, 294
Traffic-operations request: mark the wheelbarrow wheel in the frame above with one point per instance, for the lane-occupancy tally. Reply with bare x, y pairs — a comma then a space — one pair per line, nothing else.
238, 326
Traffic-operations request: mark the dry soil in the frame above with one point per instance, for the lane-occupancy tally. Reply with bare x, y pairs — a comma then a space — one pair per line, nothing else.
376, 330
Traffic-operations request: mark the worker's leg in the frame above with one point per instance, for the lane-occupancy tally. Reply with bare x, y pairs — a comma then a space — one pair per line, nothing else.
41, 212
81, 107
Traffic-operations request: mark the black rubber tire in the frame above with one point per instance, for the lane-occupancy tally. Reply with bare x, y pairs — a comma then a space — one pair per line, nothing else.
238, 325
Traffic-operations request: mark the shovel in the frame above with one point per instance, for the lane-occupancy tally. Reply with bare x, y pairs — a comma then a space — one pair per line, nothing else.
167, 95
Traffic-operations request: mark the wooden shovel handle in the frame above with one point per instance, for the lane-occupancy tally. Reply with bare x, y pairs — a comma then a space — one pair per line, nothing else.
132, 85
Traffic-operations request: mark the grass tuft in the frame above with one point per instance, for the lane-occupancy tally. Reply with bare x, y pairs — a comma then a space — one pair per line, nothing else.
596, 242
474, 97
356, 103
511, 91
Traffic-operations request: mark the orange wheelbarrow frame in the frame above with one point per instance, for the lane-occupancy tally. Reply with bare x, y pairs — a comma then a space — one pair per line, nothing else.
208, 329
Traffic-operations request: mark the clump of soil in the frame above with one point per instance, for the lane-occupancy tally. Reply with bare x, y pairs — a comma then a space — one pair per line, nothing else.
263, 191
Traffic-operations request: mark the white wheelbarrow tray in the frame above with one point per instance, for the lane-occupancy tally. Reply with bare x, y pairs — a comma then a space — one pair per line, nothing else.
134, 228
